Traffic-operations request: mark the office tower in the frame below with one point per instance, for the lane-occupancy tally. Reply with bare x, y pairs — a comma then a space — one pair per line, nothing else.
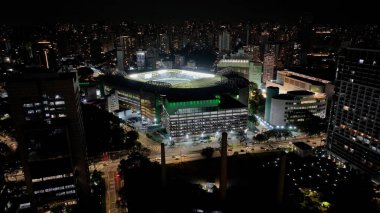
44, 55
140, 59
120, 58
46, 113
164, 43
271, 92
354, 127
123, 44
268, 67
112, 101
224, 43
179, 61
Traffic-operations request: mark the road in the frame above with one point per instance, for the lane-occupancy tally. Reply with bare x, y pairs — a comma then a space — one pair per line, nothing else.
11, 142
113, 185
179, 153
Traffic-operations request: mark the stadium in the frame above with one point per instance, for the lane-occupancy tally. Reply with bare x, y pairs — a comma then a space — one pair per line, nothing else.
178, 78
186, 103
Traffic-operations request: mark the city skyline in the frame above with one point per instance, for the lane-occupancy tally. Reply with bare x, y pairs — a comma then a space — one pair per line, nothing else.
231, 106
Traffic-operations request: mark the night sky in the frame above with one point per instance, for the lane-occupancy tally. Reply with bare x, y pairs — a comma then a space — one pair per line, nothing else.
85, 11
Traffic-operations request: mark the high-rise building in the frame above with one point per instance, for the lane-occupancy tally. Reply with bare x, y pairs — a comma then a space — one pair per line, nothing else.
140, 59
120, 58
44, 55
123, 47
46, 113
271, 92
112, 101
354, 126
224, 43
268, 67
179, 61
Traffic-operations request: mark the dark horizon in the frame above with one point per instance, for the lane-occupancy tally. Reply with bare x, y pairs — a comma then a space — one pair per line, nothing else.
169, 11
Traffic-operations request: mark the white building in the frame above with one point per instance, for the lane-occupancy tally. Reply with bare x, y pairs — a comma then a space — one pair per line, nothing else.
250, 70
288, 81
292, 107
112, 102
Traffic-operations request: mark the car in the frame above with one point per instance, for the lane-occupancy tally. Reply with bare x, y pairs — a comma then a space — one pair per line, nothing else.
261, 147
242, 150
229, 149
177, 157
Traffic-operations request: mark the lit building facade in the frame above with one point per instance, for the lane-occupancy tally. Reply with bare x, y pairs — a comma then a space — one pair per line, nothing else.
354, 127
189, 118
288, 81
250, 70
290, 108
268, 67
184, 101
224, 41
46, 113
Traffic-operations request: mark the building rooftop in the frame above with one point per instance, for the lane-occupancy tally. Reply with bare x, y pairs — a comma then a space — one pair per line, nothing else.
189, 97
283, 97
227, 102
300, 93
313, 82
302, 145
306, 78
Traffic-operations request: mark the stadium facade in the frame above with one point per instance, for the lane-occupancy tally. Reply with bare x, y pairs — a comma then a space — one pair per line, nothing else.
187, 103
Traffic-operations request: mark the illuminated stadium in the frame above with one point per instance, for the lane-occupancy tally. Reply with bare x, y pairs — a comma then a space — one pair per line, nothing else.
187, 103
178, 78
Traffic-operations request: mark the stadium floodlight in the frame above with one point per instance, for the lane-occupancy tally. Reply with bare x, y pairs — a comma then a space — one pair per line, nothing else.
162, 71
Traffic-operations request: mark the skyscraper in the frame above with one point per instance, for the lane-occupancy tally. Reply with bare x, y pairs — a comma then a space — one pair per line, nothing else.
224, 43
268, 67
354, 127
47, 116
140, 59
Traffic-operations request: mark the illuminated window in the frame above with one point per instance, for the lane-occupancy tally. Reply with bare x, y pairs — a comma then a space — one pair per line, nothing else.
28, 105
361, 61
346, 108
59, 102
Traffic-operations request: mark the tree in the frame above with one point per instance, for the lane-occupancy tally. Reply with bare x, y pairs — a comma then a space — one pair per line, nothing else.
252, 118
260, 138
102, 129
286, 134
355, 195
207, 152
256, 100
132, 136
311, 125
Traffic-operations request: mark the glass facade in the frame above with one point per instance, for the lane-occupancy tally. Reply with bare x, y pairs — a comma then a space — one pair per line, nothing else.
354, 127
